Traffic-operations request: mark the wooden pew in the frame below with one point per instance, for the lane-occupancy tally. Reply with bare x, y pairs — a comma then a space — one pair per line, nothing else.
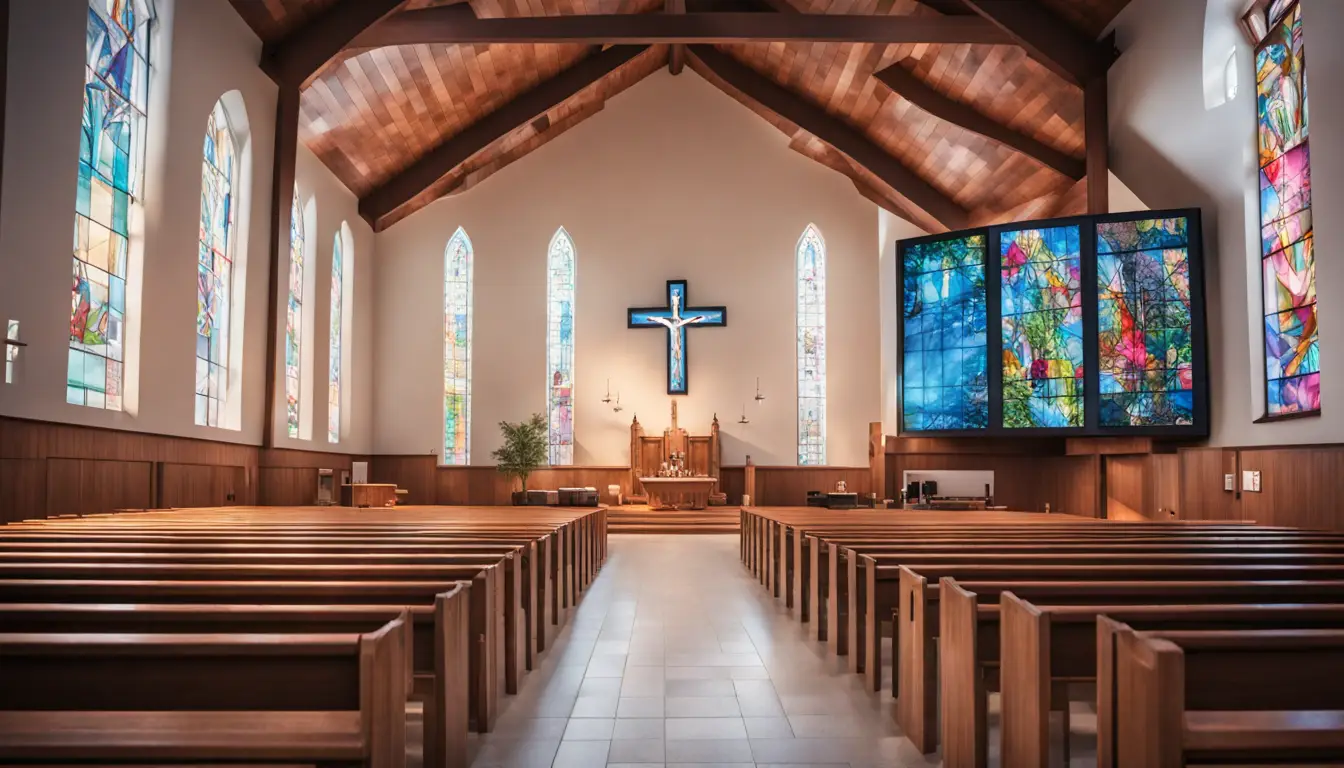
436, 644
333, 699
918, 618
1249, 697
483, 687
1052, 646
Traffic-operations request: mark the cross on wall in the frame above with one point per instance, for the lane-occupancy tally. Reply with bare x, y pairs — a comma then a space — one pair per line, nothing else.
676, 317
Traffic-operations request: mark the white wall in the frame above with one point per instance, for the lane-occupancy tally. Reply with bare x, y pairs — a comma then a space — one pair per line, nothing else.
672, 180
201, 50
1177, 141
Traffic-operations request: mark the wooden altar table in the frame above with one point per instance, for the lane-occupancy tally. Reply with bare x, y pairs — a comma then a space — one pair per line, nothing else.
679, 492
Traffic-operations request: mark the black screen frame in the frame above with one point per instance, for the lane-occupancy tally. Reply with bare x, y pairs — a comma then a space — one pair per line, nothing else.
1092, 390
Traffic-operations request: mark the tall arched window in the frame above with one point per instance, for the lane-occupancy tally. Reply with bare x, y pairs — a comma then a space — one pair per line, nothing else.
560, 346
214, 269
811, 263
336, 349
1288, 259
294, 320
110, 188
457, 283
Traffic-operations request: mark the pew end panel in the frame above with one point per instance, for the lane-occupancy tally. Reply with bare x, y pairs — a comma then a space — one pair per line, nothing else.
382, 657
916, 707
1025, 687
964, 699
1150, 682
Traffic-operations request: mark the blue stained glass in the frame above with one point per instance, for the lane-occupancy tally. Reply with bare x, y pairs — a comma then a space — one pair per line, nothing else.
945, 382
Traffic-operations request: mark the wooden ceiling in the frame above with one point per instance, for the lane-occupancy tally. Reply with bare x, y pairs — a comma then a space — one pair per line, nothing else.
980, 132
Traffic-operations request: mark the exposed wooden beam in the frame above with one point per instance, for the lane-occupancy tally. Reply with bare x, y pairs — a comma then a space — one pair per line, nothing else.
947, 7
294, 60
1098, 141
382, 206
450, 26
676, 55
1047, 38
938, 207
910, 87
282, 195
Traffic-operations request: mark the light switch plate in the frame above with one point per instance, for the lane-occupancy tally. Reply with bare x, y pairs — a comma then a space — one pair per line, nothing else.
1229, 482
1250, 480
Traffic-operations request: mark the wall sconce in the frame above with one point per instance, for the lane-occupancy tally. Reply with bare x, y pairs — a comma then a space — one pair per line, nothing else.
759, 396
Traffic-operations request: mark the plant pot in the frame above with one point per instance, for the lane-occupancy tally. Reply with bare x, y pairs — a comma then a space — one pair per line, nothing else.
520, 498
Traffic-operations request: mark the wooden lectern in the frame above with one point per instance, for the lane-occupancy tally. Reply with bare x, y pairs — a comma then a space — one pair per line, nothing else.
648, 454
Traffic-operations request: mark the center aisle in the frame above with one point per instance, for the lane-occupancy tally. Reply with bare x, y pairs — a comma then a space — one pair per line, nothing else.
677, 656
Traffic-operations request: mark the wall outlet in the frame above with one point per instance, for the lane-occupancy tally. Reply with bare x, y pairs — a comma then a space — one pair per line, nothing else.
1229, 482
1250, 480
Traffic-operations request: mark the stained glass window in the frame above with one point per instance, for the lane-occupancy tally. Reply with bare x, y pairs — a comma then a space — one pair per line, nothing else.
1146, 360
1288, 259
1042, 318
335, 351
111, 177
946, 380
294, 320
560, 346
457, 269
810, 259
214, 270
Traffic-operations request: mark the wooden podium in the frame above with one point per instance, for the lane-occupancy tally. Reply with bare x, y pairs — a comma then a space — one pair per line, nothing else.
648, 454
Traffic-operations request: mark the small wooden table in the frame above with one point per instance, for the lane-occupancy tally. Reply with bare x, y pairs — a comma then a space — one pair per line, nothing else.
369, 495
679, 492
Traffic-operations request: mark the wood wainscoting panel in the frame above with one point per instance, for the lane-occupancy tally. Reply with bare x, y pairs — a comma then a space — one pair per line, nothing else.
1299, 486
202, 485
23, 489
788, 486
95, 486
732, 482
1127, 491
1023, 482
1201, 479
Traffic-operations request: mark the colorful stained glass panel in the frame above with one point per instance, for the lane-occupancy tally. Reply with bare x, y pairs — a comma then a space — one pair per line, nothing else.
457, 293
109, 181
560, 281
214, 270
1146, 354
294, 321
1288, 268
945, 384
1042, 328
335, 349
810, 261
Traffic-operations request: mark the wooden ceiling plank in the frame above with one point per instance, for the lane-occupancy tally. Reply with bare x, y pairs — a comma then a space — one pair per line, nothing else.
294, 60
1047, 38
452, 25
382, 203
937, 206
910, 87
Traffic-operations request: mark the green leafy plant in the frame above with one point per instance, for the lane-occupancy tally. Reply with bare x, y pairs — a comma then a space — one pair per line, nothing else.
524, 449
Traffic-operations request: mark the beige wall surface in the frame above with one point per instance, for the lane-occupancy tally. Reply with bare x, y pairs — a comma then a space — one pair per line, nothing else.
673, 179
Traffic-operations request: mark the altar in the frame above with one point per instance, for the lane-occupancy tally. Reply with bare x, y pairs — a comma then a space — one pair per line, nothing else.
679, 492
674, 470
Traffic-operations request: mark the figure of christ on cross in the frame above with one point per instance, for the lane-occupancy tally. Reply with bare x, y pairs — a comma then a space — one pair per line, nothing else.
676, 317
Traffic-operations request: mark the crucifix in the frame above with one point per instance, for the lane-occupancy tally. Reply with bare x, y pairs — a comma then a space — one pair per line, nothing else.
676, 317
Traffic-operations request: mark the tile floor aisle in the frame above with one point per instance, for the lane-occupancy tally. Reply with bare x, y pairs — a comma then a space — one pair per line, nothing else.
676, 656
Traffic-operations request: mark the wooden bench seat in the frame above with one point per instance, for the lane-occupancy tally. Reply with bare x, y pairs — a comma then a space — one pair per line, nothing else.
920, 621
94, 698
1256, 679
436, 642
1052, 645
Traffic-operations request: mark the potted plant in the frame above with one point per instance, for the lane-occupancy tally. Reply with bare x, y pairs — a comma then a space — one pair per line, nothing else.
524, 450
